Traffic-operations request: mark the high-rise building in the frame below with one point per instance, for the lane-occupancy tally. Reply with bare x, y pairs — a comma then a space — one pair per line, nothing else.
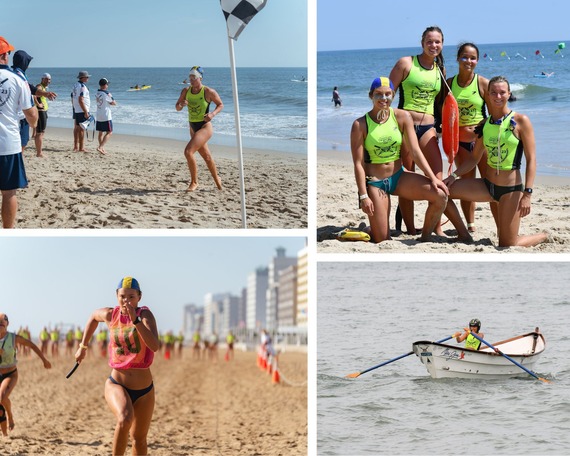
277, 264
302, 288
256, 299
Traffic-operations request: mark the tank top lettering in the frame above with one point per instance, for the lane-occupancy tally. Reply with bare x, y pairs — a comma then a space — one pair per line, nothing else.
504, 149
470, 102
127, 350
419, 89
198, 107
383, 141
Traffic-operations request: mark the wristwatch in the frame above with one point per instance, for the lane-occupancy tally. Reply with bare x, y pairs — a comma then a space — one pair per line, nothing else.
137, 320
528, 190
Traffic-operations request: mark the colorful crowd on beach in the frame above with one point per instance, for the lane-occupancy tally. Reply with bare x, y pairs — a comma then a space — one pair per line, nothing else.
387, 143
25, 106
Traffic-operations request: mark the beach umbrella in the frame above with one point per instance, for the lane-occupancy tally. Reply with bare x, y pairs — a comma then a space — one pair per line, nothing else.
504, 54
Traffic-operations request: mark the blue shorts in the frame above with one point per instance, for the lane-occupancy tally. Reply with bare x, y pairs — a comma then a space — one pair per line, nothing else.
389, 184
24, 132
106, 125
79, 117
12, 172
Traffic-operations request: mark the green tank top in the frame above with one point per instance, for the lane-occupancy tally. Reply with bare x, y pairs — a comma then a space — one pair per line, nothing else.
198, 107
383, 141
472, 342
470, 102
8, 345
43, 100
419, 89
504, 149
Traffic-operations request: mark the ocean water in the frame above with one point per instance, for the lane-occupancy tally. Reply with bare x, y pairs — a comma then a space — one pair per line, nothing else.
545, 100
372, 312
273, 103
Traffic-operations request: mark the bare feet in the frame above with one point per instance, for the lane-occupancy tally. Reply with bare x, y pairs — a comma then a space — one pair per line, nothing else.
218, 182
471, 227
193, 186
101, 150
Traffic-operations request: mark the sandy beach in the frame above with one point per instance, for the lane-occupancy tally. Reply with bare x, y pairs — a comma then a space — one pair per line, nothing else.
142, 182
337, 209
201, 408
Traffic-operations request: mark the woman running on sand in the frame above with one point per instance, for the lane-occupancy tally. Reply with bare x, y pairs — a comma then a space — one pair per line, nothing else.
129, 390
197, 98
8, 369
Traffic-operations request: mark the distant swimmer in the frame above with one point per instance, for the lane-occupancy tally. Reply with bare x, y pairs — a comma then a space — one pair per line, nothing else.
336, 97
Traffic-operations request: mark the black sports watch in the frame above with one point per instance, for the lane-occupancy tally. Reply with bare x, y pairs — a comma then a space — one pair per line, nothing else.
137, 320
528, 190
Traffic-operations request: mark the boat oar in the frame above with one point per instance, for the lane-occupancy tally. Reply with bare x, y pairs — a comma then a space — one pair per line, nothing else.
358, 374
528, 371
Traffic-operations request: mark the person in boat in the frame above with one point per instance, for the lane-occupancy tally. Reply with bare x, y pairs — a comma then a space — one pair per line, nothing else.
470, 90
376, 141
506, 136
471, 342
197, 98
419, 79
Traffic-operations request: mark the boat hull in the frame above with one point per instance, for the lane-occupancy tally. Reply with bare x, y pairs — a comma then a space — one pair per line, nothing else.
449, 361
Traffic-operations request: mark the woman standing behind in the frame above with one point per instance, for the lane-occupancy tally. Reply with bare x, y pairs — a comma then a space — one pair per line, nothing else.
129, 390
197, 98
470, 90
506, 136
418, 80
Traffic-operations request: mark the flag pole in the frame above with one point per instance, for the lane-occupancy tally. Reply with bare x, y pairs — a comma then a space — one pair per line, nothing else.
238, 131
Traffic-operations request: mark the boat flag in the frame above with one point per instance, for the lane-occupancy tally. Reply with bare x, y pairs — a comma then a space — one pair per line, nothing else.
504, 54
487, 56
537, 53
559, 50
238, 14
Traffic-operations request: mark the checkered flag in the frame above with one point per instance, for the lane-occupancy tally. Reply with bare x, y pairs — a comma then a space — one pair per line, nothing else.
238, 13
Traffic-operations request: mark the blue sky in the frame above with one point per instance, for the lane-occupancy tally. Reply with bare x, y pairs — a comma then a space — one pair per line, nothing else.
63, 279
370, 24
145, 33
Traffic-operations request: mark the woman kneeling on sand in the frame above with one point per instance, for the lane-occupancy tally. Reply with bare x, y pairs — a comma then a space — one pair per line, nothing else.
505, 135
376, 140
8, 370
129, 390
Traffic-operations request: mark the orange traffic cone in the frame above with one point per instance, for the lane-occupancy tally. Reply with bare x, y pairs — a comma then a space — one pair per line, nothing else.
275, 378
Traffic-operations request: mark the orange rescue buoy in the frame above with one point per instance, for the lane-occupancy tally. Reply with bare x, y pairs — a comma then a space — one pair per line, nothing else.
450, 128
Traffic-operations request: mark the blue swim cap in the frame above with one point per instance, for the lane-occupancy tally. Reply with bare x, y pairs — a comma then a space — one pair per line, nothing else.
381, 82
129, 282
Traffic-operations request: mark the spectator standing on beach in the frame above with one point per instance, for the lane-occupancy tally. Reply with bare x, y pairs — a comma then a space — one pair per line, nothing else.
196, 345
81, 104
8, 363
129, 390
230, 340
42, 105
104, 123
44, 340
336, 97
15, 96
197, 98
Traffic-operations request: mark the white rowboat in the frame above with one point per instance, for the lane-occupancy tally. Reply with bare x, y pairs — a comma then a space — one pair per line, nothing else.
451, 361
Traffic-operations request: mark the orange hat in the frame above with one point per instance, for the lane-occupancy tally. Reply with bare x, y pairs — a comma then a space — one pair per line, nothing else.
5, 46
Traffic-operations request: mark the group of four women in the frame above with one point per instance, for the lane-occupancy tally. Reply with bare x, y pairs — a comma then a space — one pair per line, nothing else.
386, 143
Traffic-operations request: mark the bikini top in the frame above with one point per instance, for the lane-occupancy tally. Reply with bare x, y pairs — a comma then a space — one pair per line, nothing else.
383, 141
